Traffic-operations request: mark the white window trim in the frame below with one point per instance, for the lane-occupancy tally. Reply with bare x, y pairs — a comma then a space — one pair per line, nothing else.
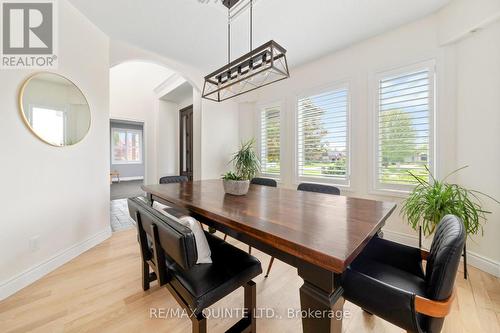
260, 106
136, 131
400, 190
342, 183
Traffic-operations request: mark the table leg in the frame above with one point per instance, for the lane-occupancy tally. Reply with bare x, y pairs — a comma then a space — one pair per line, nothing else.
321, 300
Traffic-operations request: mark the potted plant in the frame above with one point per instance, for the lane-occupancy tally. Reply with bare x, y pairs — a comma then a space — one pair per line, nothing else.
234, 184
245, 161
247, 166
431, 200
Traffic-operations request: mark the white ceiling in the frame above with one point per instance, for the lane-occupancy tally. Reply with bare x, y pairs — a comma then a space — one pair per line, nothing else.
195, 31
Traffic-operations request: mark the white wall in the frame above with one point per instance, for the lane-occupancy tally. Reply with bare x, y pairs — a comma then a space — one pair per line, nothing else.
219, 137
466, 118
60, 195
478, 126
168, 139
461, 17
132, 97
197, 135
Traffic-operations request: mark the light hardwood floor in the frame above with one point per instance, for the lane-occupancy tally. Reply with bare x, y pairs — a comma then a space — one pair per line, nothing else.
100, 291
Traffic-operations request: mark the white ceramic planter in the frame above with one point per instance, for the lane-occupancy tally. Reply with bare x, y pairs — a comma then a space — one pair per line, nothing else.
236, 187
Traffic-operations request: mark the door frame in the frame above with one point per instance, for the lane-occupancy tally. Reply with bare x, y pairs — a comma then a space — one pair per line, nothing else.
191, 148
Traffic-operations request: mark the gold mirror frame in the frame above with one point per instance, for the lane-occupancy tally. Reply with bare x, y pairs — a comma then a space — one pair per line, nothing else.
26, 121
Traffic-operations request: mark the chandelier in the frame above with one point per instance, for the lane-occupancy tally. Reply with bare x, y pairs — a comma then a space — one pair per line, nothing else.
260, 67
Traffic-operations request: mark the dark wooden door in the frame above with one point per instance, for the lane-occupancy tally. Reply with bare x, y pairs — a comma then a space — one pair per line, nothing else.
186, 142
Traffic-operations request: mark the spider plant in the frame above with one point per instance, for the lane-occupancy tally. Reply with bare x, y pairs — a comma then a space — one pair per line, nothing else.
231, 176
431, 200
245, 161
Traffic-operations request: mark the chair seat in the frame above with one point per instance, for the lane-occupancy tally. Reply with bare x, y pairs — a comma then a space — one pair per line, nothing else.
384, 290
205, 284
391, 275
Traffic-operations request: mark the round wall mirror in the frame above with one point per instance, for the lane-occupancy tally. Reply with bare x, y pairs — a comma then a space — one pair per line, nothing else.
54, 109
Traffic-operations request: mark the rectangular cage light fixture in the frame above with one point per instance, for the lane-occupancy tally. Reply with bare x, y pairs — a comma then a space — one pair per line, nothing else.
258, 68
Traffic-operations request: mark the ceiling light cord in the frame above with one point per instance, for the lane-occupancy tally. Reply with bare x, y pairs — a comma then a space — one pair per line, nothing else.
229, 36
251, 25
229, 31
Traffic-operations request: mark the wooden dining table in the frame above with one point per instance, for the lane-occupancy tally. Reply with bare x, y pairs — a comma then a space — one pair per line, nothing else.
319, 234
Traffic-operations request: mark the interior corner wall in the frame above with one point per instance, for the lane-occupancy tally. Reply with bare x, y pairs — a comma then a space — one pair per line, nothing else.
59, 196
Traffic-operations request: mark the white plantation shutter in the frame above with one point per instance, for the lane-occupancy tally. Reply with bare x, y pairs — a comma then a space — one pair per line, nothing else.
404, 141
270, 140
323, 137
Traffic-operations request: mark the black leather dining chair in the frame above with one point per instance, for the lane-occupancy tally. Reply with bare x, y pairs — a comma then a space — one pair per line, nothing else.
387, 279
169, 249
264, 182
173, 179
176, 211
318, 188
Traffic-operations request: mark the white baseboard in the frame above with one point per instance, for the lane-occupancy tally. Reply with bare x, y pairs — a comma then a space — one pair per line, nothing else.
124, 179
485, 264
401, 237
33, 274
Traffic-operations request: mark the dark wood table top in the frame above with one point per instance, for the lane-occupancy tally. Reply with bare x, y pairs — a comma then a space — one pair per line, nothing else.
325, 230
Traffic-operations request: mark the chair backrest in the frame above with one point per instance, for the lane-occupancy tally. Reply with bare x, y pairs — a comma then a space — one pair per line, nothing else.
173, 179
318, 188
175, 240
264, 182
444, 257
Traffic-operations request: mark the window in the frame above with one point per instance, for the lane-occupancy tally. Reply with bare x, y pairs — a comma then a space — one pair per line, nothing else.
126, 146
404, 127
323, 137
49, 124
270, 140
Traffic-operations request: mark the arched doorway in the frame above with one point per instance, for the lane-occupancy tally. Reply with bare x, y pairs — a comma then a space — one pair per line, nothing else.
145, 103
